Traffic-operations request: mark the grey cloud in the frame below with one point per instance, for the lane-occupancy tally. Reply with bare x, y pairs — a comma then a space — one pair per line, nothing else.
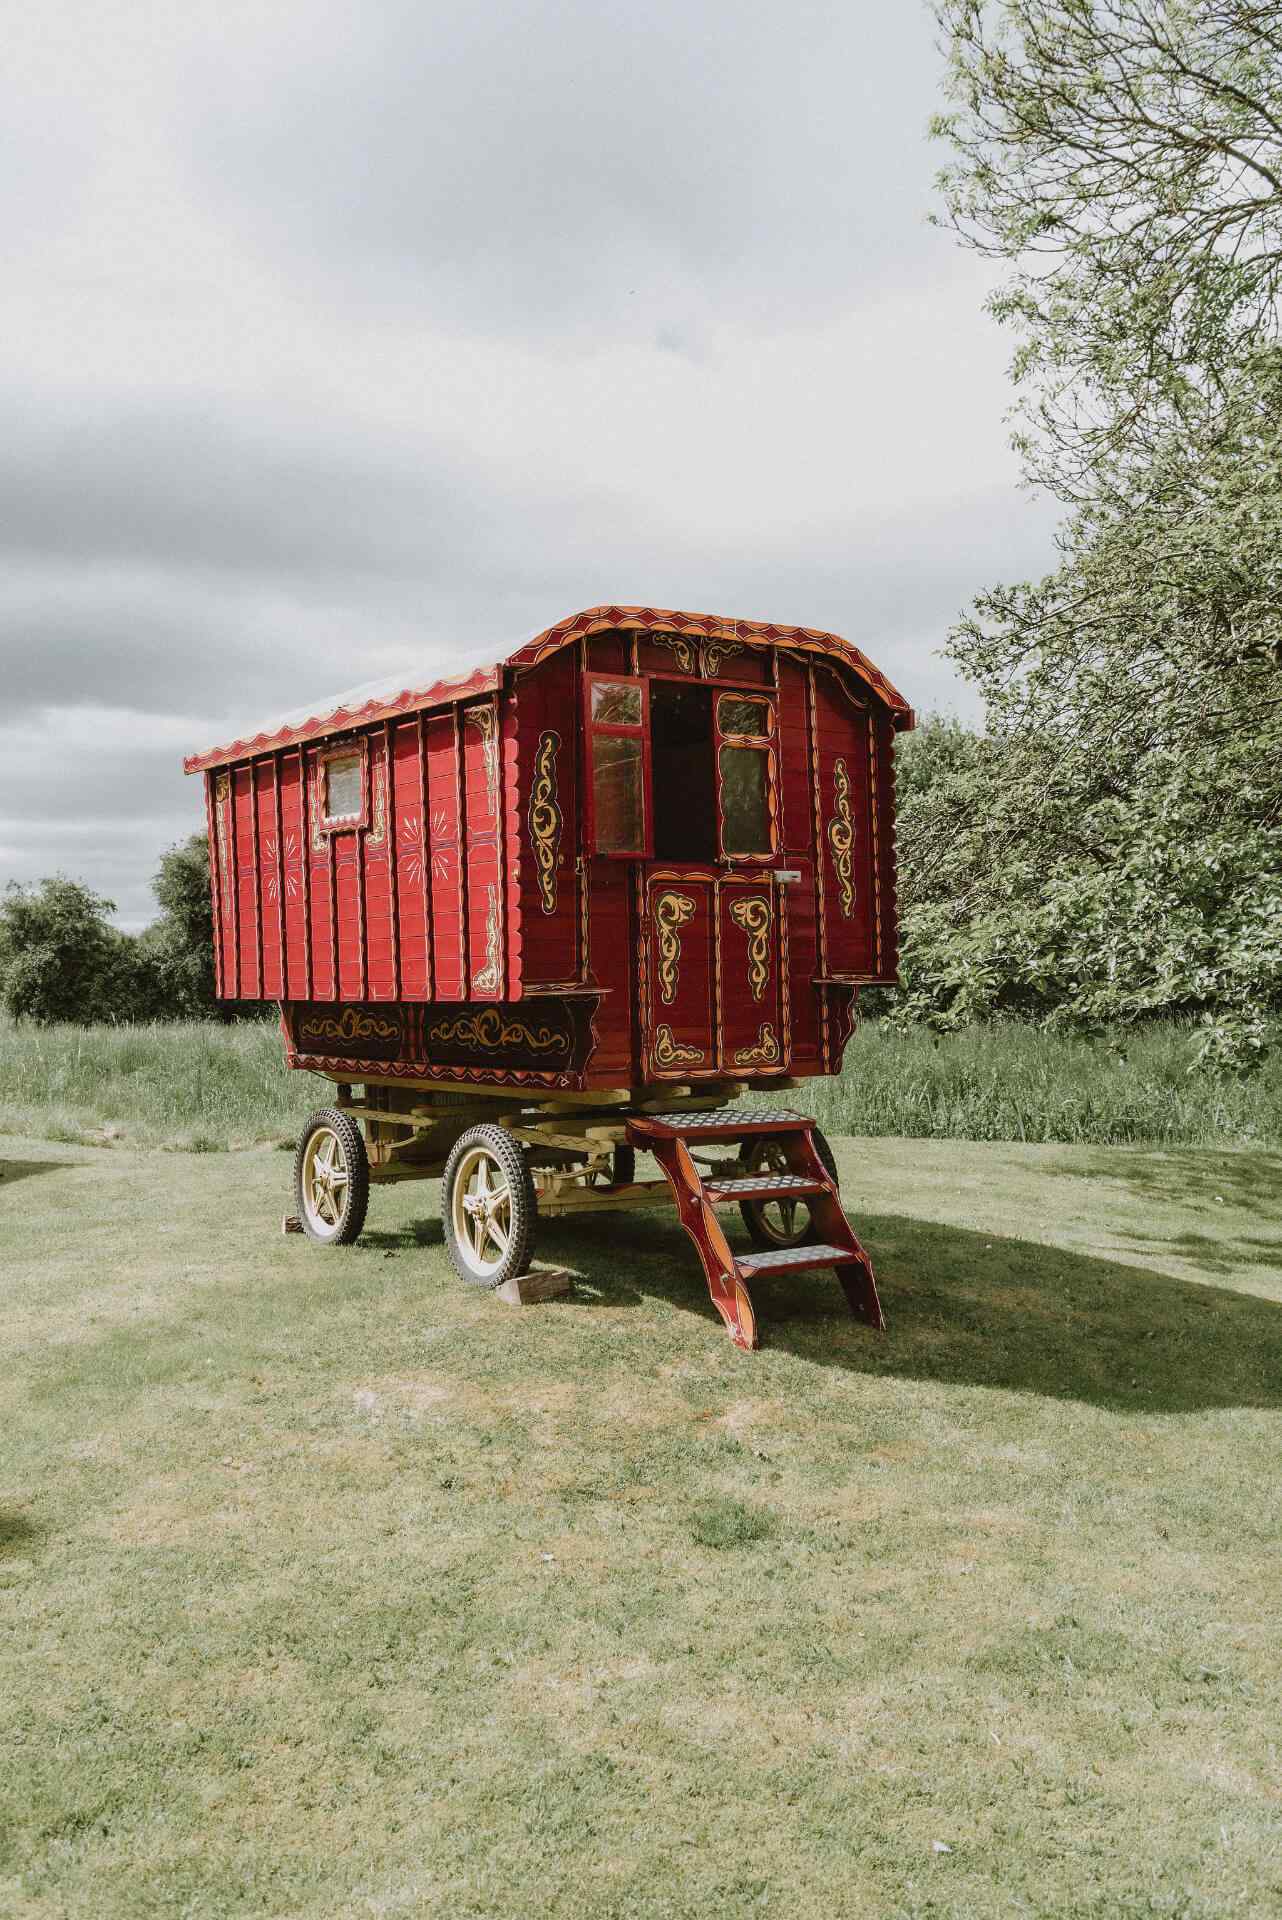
584, 164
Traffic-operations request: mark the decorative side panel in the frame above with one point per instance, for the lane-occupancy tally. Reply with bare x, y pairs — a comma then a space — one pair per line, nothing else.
678, 986
293, 874
486, 944
547, 822
844, 795
445, 868
270, 881
542, 1041
407, 830
375, 848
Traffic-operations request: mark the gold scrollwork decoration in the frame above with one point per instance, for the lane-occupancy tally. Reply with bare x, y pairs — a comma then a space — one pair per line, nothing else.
486, 978
841, 839
490, 1031
378, 827
351, 1024
671, 912
713, 652
764, 1054
752, 917
485, 721
545, 818
222, 814
669, 1051
679, 647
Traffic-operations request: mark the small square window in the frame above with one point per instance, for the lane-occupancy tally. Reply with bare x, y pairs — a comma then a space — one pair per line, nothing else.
344, 788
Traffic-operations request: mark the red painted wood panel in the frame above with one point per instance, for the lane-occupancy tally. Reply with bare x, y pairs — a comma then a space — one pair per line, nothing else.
375, 846
546, 823
680, 937
411, 866
294, 871
320, 892
750, 1023
445, 865
845, 824
482, 754
249, 985
272, 980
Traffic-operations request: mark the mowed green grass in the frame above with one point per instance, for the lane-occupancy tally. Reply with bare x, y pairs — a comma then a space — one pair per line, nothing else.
330, 1587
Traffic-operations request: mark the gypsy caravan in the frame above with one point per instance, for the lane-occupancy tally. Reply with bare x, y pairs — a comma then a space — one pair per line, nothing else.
579, 902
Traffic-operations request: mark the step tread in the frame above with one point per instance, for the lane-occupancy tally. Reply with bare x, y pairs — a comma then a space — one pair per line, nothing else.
762, 1186
775, 1259
722, 1122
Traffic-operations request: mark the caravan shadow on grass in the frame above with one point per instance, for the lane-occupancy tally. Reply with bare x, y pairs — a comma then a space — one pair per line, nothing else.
976, 1309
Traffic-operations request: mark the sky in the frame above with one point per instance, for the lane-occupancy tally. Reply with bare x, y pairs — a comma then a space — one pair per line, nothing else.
340, 338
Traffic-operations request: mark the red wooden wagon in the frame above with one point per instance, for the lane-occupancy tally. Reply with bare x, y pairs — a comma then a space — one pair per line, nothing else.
575, 903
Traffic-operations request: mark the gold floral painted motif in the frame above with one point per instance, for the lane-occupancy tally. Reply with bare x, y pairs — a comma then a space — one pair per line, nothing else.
713, 652
841, 839
491, 1030
764, 1054
669, 1052
671, 912
486, 724
681, 649
752, 917
545, 818
350, 1025
486, 979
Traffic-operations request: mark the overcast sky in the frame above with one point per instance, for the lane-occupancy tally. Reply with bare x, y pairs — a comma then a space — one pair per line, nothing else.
340, 338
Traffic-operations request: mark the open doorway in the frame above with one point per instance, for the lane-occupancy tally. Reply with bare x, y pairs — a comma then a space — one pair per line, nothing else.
683, 773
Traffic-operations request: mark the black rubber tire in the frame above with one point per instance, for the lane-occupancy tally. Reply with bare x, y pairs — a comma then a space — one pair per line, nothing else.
507, 1155
351, 1216
625, 1166
752, 1210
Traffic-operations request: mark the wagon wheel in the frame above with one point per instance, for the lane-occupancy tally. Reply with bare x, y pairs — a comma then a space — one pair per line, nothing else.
781, 1223
487, 1207
331, 1178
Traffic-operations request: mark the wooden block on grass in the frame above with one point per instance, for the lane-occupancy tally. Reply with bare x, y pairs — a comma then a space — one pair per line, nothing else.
291, 1224
525, 1289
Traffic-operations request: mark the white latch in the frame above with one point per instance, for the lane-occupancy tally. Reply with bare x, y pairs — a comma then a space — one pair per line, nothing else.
788, 876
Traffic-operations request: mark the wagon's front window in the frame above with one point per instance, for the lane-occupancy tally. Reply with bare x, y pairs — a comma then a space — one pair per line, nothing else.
745, 769
618, 749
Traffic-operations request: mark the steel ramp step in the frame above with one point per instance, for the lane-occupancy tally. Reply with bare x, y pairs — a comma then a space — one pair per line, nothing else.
760, 1186
777, 1259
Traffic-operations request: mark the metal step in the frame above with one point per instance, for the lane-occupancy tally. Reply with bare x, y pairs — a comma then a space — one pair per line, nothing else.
722, 1123
760, 1186
776, 1259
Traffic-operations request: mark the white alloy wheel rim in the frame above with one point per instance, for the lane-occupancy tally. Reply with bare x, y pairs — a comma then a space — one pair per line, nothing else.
778, 1218
481, 1212
326, 1178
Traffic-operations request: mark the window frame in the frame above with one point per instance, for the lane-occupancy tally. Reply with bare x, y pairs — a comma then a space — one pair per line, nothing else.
326, 822
617, 730
764, 743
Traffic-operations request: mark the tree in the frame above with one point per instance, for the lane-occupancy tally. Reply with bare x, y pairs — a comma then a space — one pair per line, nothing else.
60, 957
1126, 157
179, 946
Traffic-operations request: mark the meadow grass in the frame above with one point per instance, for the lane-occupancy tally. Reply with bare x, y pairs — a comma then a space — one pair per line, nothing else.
330, 1587
199, 1086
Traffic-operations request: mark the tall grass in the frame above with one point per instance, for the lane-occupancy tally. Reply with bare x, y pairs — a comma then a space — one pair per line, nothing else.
188, 1085
202, 1088
1018, 1082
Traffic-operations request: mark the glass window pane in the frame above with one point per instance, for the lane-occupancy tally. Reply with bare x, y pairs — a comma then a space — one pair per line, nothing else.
616, 706
745, 800
617, 793
750, 717
343, 788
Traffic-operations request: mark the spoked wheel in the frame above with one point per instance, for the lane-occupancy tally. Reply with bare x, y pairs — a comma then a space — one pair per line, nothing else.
331, 1178
781, 1223
487, 1207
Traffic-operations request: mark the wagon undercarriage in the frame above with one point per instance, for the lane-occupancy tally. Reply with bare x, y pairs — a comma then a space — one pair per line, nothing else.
506, 1161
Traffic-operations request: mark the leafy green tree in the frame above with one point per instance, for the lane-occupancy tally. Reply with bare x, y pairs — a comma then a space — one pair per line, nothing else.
60, 956
178, 948
1125, 156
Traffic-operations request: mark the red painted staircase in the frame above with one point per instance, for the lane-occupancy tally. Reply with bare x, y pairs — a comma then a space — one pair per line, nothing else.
670, 1137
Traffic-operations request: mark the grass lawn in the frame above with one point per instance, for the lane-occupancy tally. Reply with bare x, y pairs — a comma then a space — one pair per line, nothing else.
329, 1587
